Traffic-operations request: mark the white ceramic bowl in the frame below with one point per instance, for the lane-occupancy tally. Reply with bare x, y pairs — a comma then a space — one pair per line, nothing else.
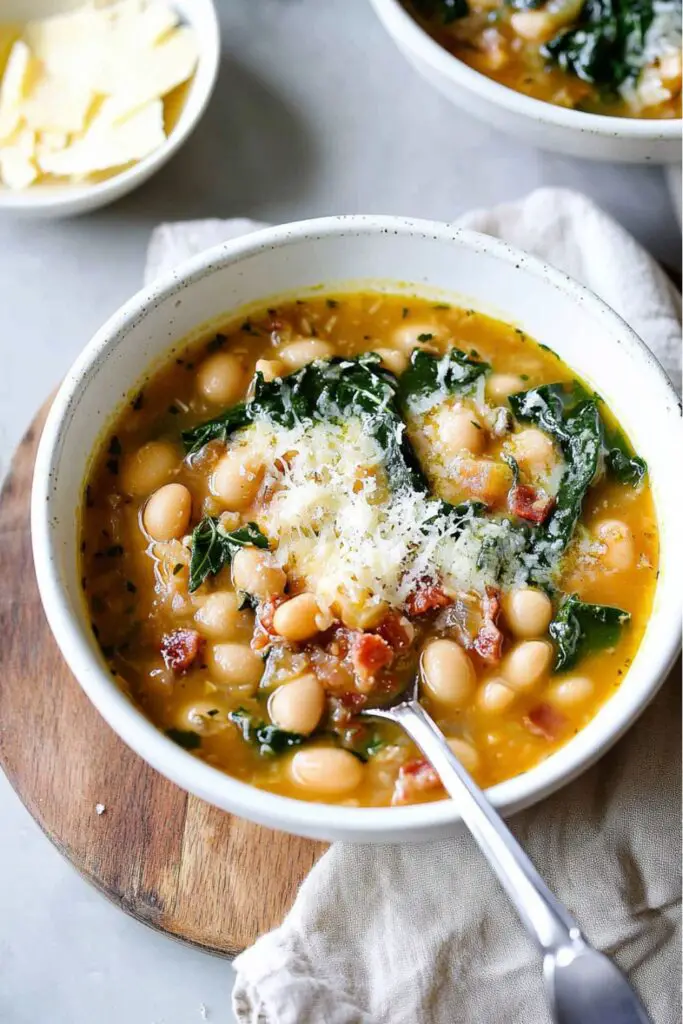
45, 200
594, 136
344, 253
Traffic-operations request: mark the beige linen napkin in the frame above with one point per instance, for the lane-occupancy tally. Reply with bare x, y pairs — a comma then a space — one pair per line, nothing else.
422, 934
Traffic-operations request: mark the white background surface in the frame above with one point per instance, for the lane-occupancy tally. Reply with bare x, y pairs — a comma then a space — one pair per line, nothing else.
315, 113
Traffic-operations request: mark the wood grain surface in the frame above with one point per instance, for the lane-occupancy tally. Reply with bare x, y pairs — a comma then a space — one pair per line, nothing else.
168, 859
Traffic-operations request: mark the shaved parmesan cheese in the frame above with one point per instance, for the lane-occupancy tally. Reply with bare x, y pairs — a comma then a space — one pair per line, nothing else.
57, 105
17, 166
12, 88
164, 68
106, 144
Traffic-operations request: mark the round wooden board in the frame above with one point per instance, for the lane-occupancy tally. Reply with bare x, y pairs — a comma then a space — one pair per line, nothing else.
168, 859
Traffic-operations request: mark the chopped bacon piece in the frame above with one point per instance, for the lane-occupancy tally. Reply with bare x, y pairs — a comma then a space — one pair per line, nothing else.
546, 721
180, 649
396, 630
369, 654
426, 598
488, 642
264, 631
414, 777
346, 706
530, 503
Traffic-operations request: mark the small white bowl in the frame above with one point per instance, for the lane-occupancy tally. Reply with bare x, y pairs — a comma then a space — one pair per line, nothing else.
348, 253
593, 136
45, 200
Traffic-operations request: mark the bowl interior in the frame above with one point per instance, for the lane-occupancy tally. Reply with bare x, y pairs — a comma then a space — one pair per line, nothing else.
345, 254
200, 14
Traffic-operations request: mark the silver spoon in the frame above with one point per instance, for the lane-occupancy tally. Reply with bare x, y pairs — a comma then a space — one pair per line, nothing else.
582, 986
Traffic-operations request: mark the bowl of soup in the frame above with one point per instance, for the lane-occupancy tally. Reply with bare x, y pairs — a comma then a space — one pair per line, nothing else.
320, 461
594, 80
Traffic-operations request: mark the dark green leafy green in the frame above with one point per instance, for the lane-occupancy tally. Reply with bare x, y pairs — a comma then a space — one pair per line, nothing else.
268, 739
579, 629
607, 44
577, 427
445, 11
184, 738
218, 429
213, 547
620, 461
427, 375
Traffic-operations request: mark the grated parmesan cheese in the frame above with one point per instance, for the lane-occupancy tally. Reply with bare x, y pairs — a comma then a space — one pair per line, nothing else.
336, 524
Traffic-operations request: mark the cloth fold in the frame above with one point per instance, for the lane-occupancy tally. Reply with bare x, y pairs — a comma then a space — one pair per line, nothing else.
405, 934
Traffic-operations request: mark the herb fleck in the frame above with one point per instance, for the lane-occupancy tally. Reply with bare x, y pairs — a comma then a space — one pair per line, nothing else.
115, 446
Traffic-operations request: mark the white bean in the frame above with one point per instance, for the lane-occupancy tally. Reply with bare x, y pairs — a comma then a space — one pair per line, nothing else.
298, 706
393, 360
256, 572
300, 353
619, 545
236, 480
236, 665
447, 673
202, 716
221, 379
570, 693
411, 336
465, 753
270, 368
495, 696
499, 386
327, 771
167, 513
534, 450
526, 664
461, 430
220, 617
528, 612
148, 468
297, 619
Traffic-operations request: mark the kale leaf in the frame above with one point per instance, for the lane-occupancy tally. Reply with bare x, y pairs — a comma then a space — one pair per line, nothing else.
445, 10
579, 628
185, 738
577, 427
213, 547
430, 375
268, 739
621, 463
218, 429
606, 46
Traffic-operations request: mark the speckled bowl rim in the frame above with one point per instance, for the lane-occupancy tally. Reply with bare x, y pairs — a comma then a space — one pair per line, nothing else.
287, 813
397, 20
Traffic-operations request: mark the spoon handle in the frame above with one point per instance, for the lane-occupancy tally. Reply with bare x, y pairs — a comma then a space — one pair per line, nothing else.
544, 917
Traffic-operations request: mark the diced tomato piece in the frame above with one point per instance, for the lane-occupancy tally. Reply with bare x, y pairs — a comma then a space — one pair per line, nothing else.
396, 630
530, 503
546, 721
369, 654
488, 642
180, 649
426, 598
414, 777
